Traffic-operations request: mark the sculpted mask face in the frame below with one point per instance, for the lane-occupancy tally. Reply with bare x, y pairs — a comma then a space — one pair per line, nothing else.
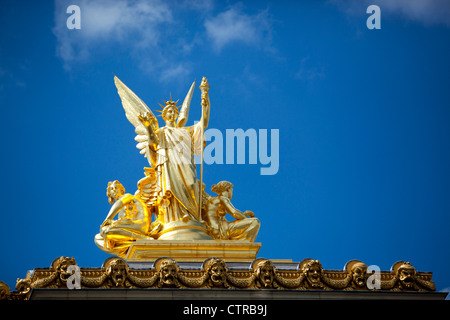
314, 273
217, 273
168, 273
266, 273
359, 275
407, 276
117, 271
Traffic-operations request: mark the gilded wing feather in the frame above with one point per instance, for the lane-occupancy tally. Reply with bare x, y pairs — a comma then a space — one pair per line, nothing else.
133, 107
184, 111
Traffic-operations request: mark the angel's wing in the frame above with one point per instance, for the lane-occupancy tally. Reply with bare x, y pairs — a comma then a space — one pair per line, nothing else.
133, 107
184, 112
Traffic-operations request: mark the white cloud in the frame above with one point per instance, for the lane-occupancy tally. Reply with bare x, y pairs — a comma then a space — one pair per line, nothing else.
427, 12
135, 24
172, 72
118, 19
235, 26
152, 33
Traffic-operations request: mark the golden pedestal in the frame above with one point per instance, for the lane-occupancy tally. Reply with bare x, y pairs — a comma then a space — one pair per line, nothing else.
196, 251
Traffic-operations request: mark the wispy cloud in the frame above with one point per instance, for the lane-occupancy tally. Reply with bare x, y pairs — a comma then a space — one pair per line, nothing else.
152, 33
307, 72
14, 75
179, 70
233, 25
105, 23
118, 19
427, 12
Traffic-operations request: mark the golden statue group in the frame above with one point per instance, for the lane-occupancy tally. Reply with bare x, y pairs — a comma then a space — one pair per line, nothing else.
171, 219
170, 202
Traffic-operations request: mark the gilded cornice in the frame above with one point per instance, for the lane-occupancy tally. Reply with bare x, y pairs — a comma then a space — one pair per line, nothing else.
215, 274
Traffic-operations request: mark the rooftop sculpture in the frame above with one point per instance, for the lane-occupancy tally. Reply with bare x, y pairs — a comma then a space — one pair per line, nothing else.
171, 234
170, 203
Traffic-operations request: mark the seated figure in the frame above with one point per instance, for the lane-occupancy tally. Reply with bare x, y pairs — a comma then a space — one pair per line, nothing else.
245, 227
133, 217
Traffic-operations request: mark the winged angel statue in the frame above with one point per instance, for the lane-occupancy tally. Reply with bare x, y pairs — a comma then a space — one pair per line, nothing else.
170, 189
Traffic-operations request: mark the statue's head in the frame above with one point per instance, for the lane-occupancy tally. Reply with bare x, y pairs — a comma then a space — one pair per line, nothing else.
114, 190
170, 111
117, 270
223, 188
358, 270
406, 274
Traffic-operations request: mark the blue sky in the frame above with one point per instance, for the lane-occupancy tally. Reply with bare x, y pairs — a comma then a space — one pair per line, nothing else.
363, 118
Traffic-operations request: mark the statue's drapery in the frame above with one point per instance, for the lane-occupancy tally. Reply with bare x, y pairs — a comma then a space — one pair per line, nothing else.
176, 172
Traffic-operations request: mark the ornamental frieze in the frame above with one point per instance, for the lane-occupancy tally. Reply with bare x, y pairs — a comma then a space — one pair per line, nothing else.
216, 274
